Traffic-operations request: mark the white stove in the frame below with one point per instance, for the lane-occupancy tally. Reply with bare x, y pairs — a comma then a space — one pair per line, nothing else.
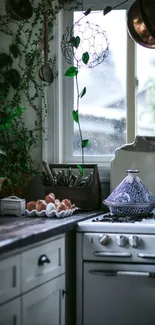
116, 255
116, 271
113, 224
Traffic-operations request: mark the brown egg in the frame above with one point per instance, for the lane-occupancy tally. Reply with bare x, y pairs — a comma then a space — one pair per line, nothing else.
40, 201
61, 207
49, 198
67, 203
56, 204
41, 205
52, 195
73, 206
31, 205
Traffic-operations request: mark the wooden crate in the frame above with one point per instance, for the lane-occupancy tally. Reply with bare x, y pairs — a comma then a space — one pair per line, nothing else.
88, 198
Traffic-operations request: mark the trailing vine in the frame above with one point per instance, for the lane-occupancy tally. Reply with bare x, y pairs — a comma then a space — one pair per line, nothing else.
73, 72
20, 83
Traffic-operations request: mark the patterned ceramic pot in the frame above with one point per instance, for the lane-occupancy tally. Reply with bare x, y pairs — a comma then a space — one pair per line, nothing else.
131, 197
140, 210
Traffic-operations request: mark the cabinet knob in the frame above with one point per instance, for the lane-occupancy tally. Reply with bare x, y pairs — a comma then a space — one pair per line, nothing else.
121, 240
104, 240
134, 241
43, 260
64, 292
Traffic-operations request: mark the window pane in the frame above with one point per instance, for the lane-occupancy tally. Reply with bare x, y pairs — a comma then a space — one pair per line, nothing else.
103, 108
146, 91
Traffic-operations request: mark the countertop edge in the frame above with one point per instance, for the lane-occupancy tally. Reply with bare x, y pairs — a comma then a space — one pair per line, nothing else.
18, 242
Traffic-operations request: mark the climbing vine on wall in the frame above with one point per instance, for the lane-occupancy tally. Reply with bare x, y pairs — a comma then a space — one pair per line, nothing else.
20, 62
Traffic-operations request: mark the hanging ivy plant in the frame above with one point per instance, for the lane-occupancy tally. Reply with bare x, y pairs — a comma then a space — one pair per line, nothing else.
19, 79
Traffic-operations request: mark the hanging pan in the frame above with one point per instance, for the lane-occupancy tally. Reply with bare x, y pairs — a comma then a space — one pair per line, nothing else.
147, 8
45, 72
137, 28
19, 9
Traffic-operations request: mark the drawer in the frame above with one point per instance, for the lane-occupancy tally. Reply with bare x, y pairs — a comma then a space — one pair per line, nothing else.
9, 278
42, 263
10, 313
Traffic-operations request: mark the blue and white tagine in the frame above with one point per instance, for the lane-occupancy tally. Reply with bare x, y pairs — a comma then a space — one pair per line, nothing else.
131, 197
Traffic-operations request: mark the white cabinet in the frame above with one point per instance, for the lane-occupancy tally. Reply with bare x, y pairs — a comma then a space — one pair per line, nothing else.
9, 278
10, 313
32, 285
46, 304
42, 263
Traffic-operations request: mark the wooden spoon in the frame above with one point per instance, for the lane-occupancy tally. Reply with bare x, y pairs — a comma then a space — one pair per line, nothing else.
45, 72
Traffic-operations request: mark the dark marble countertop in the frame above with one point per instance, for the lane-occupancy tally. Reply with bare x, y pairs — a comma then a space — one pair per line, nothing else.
17, 232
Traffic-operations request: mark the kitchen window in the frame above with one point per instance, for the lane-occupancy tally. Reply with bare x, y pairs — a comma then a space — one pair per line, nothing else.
119, 102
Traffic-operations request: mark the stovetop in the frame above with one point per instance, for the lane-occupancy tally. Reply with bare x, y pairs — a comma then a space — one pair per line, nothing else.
108, 217
112, 223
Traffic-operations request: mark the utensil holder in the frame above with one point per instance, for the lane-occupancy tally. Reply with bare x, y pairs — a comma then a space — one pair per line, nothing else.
86, 198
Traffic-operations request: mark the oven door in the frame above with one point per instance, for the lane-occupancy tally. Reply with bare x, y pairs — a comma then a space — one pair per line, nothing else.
118, 294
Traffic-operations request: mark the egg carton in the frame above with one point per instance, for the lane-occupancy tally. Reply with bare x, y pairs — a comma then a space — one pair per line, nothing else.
51, 214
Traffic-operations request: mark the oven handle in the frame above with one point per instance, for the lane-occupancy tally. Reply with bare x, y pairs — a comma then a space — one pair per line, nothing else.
128, 273
141, 255
112, 254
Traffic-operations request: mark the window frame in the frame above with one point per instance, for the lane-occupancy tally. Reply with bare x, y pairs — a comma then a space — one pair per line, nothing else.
59, 122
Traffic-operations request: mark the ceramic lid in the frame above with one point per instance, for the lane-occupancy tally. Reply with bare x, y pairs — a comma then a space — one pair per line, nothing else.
12, 199
131, 190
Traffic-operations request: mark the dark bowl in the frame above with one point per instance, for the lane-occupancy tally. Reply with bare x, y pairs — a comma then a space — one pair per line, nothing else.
137, 28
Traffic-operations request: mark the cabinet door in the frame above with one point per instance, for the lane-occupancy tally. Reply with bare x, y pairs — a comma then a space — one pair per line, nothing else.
10, 313
46, 304
9, 278
36, 271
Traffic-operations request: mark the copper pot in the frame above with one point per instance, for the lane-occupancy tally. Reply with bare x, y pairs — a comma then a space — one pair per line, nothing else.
137, 29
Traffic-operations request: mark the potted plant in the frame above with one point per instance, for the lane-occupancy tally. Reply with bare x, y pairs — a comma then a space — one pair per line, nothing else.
17, 141
2, 178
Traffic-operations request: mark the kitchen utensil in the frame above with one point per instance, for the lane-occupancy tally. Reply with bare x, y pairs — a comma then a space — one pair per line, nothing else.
19, 9
137, 28
12, 205
48, 172
78, 180
45, 179
45, 72
131, 197
69, 176
147, 8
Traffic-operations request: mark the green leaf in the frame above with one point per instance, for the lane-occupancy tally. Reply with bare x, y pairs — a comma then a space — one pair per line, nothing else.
85, 143
4, 88
81, 169
12, 77
87, 12
5, 60
85, 57
107, 10
75, 41
83, 92
71, 72
14, 50
75, 115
